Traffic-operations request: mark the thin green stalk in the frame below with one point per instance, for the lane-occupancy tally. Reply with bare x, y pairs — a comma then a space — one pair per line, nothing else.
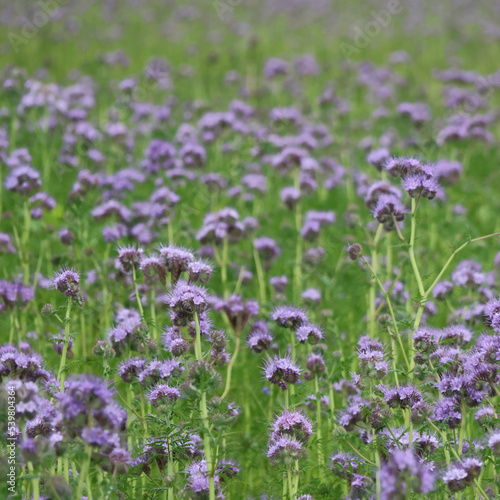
260, 275
411, 247
230, 366
25, 241
371, 304
444, 438
152, 307
321, 457
297, 272
391, 311
84, 473
206, 446
225, 258
289, 477
138, 298
204, 417
462, 427
61, 375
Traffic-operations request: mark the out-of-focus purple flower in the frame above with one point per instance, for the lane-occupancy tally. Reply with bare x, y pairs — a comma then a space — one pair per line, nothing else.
259, 337
238, 311
311, 296
23, 180
404, 473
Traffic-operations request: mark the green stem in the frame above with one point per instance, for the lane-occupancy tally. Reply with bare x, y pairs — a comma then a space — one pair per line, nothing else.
204, 417
25, 241
206, 446
289, 477
225, 258
230, 367
139, 304
260, 275
61, 375
321, 457
411, 248
371, 305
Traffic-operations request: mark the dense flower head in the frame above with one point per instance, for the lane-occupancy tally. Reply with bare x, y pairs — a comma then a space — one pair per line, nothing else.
199, 272
176, 260
389, 211
289, 317
130, 256
281, 371
309, 333
163, 394
67, 281
285, 450
293, 424
185, 301
402, 166
420, 185
260, 337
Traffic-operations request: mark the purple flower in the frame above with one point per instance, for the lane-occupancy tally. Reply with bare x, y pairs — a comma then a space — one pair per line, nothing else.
285, 450
260, 337
311, 296
309, 333
468, 274
186, 300
163, 394
462, 474
290, 196
292, 424
378, 158
389, 211
279, 283
23, 180
267, 248
442, 290
129, 256
238, 312
404, 473
281, 371
344, 465
67, 281
419, 185
174, 342
289, 317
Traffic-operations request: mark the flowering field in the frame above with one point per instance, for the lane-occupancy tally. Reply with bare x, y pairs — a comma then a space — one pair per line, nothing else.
249, 250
